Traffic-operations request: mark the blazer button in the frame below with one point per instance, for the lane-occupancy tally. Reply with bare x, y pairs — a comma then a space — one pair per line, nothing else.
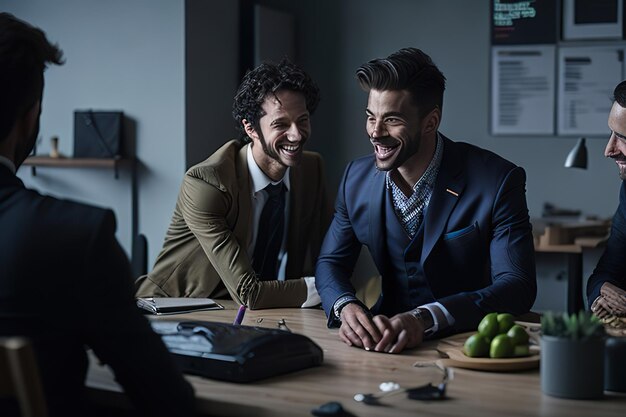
412, 271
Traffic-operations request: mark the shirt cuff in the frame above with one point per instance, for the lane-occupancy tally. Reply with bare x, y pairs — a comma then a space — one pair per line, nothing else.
312, 297
441, 317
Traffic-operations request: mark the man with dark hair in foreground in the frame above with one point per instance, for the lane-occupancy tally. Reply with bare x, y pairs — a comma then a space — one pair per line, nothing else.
64, 280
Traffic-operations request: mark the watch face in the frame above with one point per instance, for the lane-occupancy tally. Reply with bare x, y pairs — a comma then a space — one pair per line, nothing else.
426, 317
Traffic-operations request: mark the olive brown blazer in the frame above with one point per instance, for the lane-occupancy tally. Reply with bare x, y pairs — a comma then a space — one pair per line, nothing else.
204, 253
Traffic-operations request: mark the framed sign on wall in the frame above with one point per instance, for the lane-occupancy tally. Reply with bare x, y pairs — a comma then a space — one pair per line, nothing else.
592, 19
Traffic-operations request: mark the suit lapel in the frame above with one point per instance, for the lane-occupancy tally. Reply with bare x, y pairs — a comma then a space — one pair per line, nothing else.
377, 224
242, 226
448, 189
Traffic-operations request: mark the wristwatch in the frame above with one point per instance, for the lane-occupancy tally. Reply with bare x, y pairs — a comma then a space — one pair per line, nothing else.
426, 317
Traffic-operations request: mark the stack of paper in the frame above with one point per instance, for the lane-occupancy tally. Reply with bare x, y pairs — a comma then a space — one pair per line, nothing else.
171, 305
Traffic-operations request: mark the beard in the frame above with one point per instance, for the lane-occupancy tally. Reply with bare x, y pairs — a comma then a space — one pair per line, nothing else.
271, 153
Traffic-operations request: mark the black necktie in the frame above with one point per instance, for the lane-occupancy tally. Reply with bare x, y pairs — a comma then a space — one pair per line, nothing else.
270, 233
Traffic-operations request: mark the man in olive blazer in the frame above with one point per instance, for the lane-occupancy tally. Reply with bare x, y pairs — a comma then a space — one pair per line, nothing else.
207, 247
211, 226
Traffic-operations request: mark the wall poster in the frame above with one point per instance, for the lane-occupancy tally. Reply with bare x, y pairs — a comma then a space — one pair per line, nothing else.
587, 77
523, 90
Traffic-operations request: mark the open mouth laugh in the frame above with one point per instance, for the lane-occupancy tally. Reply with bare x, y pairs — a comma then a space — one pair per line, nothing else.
384, 152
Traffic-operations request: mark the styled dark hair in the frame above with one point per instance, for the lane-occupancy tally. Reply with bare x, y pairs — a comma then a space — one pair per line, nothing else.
407, 69
269, 78
24, 55
619, 94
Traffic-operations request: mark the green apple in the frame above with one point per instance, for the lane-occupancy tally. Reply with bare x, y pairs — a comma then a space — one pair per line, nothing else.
518, 335
476, 346
501, 347
505, 322
488, 326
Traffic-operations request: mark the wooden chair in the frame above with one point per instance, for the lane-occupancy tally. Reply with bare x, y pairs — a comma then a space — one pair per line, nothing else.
19, 376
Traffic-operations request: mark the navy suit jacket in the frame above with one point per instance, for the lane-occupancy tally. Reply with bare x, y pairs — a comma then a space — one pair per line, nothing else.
65, 283
477, 253
612, 264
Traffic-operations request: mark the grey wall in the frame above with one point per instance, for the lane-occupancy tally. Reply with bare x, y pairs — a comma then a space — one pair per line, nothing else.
126, 55
211, 75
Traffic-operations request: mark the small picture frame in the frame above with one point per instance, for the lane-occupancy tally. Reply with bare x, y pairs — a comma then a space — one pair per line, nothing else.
592, 19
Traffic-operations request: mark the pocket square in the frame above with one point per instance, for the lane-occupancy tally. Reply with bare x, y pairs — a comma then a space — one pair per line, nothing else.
460, 232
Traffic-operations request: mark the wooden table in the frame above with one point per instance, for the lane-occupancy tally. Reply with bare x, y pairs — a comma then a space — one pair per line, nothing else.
347, 371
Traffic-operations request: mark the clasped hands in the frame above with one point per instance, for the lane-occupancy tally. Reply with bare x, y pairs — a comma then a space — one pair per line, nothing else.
610, 302
610, 308
379, 333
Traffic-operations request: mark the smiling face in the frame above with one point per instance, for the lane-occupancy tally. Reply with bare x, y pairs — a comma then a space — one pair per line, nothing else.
394, 127
402, 140
616, 148
283, 130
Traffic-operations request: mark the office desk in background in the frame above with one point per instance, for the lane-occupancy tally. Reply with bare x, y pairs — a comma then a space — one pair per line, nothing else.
571, 239
347, 371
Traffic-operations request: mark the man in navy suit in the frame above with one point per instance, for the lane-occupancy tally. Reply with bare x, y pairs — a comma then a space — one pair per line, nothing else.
606, 288
446, 222
65, 282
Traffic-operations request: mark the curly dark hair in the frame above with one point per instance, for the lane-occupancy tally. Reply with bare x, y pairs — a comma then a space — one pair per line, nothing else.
269, 78
24, 55
407, 69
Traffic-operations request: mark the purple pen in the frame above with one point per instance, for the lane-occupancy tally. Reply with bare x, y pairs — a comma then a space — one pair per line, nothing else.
240, 314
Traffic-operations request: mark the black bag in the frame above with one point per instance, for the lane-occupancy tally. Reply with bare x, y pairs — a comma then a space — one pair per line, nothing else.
97, 134
236, 353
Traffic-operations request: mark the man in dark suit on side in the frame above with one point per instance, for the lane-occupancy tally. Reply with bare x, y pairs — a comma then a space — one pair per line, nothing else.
446, 222
64, 280
606, 288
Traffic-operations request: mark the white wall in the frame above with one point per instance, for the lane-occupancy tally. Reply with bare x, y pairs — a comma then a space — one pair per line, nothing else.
126, 55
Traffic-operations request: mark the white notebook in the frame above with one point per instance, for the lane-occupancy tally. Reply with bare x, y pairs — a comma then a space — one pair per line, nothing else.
172, 305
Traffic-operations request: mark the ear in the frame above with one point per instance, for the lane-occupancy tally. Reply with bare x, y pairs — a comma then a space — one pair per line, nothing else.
250, 130
430, 123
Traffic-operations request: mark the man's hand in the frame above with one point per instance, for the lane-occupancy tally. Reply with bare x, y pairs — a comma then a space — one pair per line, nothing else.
402, 331
357, 327
610, 302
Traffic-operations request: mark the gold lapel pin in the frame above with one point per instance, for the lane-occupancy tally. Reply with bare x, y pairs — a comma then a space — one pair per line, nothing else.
452, 192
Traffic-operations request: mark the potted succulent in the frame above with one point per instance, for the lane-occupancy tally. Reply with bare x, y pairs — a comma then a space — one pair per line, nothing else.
572, 355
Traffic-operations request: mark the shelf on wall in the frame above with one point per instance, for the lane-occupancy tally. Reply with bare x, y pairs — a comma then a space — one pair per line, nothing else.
46, 161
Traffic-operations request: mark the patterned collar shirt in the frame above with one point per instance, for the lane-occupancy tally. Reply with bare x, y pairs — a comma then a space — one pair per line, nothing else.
410, 210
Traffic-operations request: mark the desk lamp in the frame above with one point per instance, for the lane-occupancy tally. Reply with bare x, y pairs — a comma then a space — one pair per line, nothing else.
577, 157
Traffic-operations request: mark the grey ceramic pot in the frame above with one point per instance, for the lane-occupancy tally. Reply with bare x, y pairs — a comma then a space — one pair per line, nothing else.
615, 364
572, 368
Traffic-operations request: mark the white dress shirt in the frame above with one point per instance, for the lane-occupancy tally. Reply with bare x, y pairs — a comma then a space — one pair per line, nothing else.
258, 197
